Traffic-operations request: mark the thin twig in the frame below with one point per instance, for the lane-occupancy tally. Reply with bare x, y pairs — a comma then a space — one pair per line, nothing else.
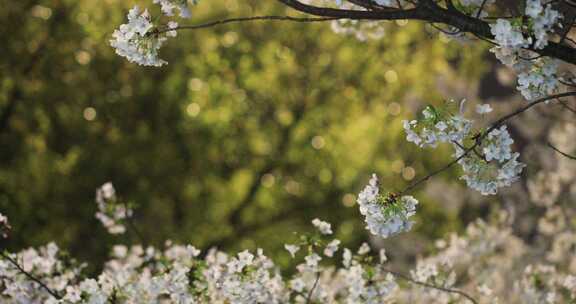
566, 83
447, 32
567, 107
481, 9
473, 150
430, 175
245, 19
562, 153
503, 119
428, 285
309, 297
30, 276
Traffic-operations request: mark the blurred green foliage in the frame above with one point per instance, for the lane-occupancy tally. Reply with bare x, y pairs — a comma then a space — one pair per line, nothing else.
251, 131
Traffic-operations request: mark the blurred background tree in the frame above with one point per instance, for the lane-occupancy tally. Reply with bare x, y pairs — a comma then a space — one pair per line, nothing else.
250, 132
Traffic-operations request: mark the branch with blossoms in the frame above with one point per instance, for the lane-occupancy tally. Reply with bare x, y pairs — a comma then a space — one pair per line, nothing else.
30, 276
428, 285
525, 43
462, 152
179, 274
5, 229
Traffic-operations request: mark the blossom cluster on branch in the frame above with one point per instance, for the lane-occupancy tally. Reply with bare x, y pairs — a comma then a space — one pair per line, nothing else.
467, 268
141, 38
385, 215
486, 158
537, 77
111, 213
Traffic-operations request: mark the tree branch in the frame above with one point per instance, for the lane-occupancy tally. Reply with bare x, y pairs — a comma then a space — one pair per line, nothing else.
560, 152
309, 297
479, 139
244, 19
30, 276
354, 14
430, 11
428, 285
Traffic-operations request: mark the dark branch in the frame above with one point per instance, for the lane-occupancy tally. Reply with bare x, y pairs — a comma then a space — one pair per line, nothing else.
354, 14
309, 297
560, 152
567, 107
244, 19
30, 276
430, 11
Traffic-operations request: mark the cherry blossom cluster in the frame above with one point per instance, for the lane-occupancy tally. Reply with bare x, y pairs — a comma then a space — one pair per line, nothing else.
487, 261
488, 162
46, 263
168, 7
178, 274
497, 168
542, 283
4, 226
484, 258
385, 215
140, 39
536, 75
514, 37
111, 213
437, 126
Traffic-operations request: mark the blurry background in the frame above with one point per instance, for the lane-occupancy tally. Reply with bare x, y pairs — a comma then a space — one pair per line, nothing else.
251, 131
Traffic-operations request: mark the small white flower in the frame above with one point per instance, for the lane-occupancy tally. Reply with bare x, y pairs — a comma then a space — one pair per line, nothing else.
110, 213
533, 8
245, 258
507, 35
498, 145
322, 226
364, 249
483, 108
539, 80
383, 257
73, 294
297, 285
4, 226
485, 290
168, 7
193, 251
292, 249
441, 126
312, 260
347, 257
331, 248
172, 25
